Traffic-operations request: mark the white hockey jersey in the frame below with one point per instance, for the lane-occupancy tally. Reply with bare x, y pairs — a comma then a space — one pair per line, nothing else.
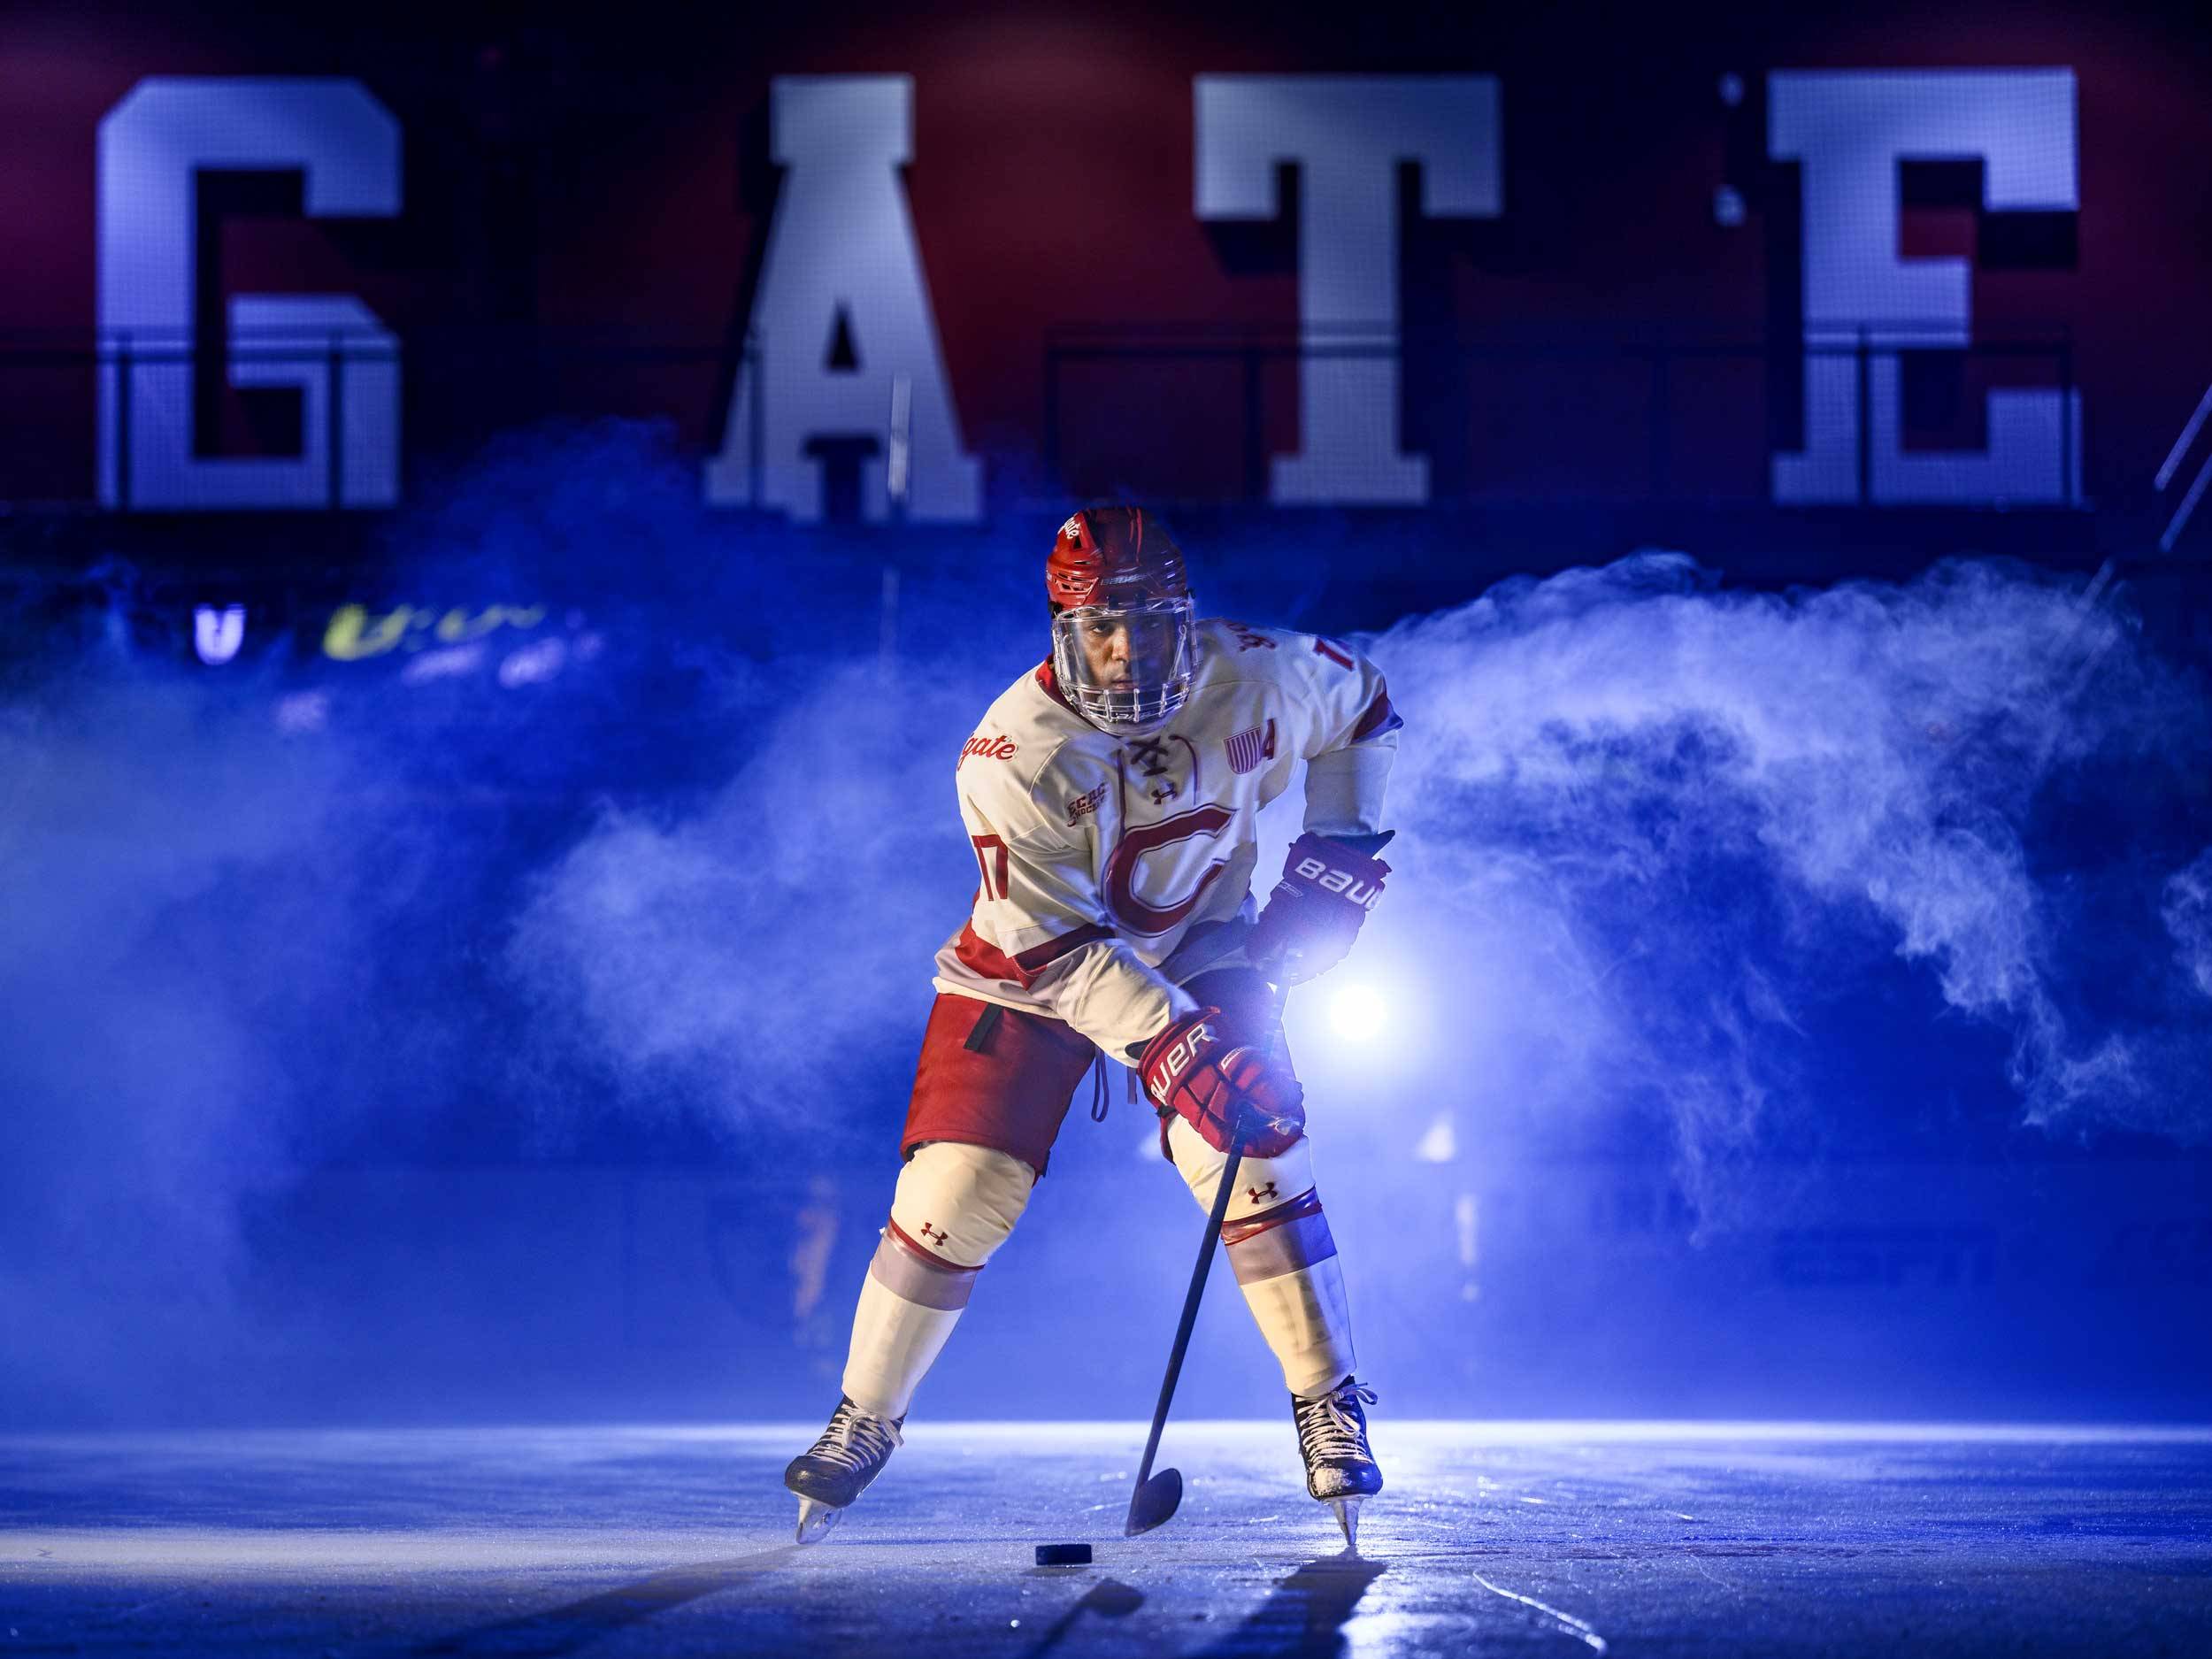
1113, 869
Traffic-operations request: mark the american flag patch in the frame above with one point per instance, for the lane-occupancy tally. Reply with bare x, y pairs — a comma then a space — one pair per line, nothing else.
1247, 749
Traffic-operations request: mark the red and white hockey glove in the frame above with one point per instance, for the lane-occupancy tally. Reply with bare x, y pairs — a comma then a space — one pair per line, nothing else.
1206, 1071
1316, 910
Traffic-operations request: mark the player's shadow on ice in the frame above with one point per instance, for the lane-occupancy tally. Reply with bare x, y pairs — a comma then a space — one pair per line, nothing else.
1304, 1617
562, 1630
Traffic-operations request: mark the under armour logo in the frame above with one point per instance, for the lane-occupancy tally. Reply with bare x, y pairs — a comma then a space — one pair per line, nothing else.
937, 1235
1256, 1194
1161, 794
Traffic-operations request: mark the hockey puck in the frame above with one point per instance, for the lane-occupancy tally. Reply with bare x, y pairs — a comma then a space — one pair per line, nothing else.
1064, 1555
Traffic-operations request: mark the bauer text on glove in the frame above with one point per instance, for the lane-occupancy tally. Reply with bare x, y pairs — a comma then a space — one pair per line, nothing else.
1204, 1069
1316, 910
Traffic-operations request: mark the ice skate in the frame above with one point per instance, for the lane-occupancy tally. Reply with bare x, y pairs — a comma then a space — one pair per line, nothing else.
1340, 1470
838, 1467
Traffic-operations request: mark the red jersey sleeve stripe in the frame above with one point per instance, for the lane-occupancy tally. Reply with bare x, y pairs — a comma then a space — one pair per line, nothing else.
1380, 717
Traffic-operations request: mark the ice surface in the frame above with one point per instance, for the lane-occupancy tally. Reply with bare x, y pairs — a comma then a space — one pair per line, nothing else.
1627, 1539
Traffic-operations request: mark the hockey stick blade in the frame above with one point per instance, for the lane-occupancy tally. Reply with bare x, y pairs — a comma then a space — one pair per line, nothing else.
1153, 1501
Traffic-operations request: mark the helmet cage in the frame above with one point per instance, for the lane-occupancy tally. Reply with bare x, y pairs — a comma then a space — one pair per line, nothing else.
1159, 647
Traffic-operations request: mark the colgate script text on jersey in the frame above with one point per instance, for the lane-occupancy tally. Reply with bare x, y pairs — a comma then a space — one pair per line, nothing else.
986, 749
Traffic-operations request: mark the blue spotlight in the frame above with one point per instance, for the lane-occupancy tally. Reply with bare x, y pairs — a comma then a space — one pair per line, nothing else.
1357, 1012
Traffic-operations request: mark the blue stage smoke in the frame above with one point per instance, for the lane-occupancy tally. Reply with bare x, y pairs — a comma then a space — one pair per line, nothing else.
2187, 913
1710, 875
1659, 827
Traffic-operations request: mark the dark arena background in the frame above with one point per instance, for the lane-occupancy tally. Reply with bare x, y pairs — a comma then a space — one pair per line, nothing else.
507, 518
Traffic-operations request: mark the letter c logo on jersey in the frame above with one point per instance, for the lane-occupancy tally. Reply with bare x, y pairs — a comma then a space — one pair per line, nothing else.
1121, 870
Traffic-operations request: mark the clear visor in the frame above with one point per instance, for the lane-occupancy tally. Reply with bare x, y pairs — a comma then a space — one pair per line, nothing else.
1127, 668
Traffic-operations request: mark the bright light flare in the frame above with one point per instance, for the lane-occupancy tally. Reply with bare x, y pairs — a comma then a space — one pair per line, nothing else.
1357, 1012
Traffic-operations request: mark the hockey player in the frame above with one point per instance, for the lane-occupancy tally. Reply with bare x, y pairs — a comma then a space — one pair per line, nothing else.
1111, 797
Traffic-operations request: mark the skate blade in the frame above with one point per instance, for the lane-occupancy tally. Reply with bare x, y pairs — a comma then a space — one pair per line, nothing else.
815, 1519
1347, 1517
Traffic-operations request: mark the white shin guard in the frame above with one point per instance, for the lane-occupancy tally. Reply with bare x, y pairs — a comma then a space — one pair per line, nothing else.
1308, 1328
1281, 1252
895, 1343
955, 1204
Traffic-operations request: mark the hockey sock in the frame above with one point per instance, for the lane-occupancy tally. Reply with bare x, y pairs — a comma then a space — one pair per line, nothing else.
1286, 1266
955, 1205
1281, 1252
907, 1311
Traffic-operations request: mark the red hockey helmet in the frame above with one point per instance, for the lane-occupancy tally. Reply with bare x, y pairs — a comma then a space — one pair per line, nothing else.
1112, 554
1124, 625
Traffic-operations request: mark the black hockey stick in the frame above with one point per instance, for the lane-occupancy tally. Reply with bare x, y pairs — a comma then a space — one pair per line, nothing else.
1158, 1496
